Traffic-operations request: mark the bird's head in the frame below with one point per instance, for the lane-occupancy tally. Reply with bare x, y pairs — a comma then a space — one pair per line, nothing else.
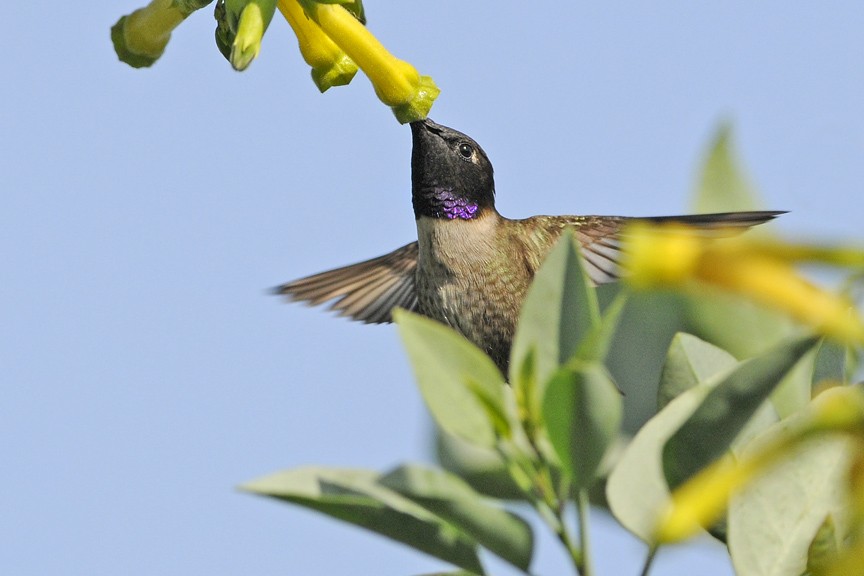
451, 176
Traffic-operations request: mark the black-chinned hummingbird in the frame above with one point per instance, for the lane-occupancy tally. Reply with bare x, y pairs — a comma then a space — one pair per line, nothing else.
470, 267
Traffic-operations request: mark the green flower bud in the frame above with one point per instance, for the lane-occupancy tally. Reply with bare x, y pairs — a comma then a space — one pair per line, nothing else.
248, 20
140, 38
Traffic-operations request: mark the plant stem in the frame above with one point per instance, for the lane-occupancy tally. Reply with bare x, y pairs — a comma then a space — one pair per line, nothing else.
652, 552
535, 481
582, 509
577, 555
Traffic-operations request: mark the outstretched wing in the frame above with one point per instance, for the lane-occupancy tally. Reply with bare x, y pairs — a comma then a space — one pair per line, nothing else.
366, 291
600, 236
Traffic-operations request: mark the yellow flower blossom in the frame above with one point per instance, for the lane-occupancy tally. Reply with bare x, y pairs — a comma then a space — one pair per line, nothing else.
702, 499
674, 255
330, 65
396, 82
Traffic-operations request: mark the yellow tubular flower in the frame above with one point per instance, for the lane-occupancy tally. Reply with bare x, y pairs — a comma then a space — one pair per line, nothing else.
397, 83
675, 255
702, 500
330, 65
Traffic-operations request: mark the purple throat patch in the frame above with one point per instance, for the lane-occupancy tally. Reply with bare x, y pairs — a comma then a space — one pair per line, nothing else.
453, 206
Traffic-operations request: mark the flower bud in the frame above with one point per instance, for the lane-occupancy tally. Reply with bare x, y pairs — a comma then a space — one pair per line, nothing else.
140, 38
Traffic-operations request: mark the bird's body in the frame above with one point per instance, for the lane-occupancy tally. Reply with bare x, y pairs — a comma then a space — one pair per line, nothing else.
470, 267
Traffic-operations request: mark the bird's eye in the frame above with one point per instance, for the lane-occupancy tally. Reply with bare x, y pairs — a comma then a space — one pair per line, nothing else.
466, 150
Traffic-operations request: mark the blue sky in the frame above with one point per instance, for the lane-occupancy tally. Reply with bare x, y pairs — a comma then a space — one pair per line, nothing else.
146, 371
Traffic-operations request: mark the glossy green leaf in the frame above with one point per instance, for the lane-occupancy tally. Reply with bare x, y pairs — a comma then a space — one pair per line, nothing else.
582, 411
689, 362
636, 489
450, 498
721, 416
773, 520
559, 310
462, 387
355, 496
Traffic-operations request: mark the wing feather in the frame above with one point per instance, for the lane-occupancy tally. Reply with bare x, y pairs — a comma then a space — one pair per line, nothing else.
367, 291
600, 236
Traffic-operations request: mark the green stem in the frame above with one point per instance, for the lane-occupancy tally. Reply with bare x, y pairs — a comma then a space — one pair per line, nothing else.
582, 509
652, 553
577, 555
535, 481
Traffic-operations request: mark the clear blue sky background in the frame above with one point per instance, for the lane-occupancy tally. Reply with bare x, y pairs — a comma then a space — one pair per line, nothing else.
145, 371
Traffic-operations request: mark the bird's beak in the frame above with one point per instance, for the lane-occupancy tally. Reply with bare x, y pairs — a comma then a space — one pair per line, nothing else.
422, 133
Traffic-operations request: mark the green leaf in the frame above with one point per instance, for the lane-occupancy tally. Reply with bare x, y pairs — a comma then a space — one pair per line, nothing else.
648, 323
482, 468
559, 310
595, 345
354, 496
722, 185
830, 363
450, 498
773, 520
823, 548
709, 432
462, 387
636, 489
223, 34
795, 389
729, 321
745, 330
582, 411
690, 362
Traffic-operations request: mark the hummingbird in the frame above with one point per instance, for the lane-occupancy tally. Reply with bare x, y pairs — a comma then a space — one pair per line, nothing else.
470, 267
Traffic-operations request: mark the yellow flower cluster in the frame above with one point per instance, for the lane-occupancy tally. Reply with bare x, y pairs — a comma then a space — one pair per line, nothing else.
397, 83
331, 37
